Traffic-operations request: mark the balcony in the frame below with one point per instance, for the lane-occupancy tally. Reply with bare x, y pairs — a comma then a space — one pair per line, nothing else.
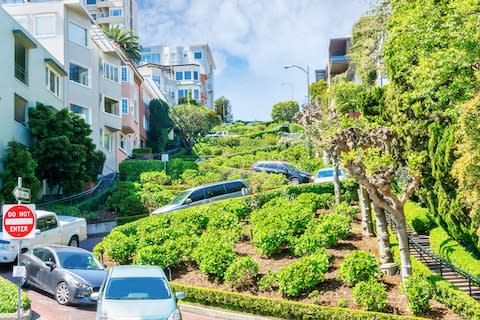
338, 64
20, 73
112, 121
128, 123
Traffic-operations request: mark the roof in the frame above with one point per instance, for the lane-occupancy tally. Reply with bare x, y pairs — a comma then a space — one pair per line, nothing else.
134, 271
215, 183
101, 39
59, 248
43, 213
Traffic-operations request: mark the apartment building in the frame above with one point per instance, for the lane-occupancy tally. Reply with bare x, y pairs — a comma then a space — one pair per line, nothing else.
320, 74
338, 60
108, 13
191, 67
30, 74
93, 87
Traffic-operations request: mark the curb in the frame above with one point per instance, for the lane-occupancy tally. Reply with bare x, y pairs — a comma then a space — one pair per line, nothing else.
218, 313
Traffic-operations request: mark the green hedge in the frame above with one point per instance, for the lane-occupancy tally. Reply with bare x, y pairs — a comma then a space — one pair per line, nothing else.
444, 292
418, 218
8, 297
130, 170
275, 307
94, 203
128, 219
452, 251
142, 150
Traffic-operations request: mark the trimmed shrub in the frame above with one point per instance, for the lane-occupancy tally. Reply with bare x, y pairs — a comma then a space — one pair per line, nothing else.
371, 294
124, 199
303, 274
242, 272
130, 170
128, 219
117, 246
141, 150
349, 189
419, 291
176, 166
418, 218
9, 296
94, 203
358, 266
268, 281
263, 181
165, 255
155, 177
316, 201
346, 209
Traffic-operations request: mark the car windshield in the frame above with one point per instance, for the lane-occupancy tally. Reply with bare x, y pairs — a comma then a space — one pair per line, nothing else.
291, 168
76, 260
180, 197
328, 173
137, 288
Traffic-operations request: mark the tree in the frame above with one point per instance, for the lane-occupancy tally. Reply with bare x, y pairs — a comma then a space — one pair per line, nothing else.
284, 111
223, 109
18, 162
192, 122
159, 119
63, 148
127, 40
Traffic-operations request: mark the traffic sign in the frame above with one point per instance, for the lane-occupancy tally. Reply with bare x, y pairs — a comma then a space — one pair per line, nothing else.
19, 221
21, 194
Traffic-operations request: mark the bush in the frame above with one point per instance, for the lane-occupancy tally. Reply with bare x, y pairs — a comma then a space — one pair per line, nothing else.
303, 274
371, 294
94, 203
452, 251
141, 150
263, 181
117, 246
130, 170
316, 201
242, 272
65, 210
358, 266
349, 189
155, 177
166, 255
9, 296
124, 199
346, 209
418, 218
419, 291
175, 167
214, 253
128, 219
275, 307
268, 281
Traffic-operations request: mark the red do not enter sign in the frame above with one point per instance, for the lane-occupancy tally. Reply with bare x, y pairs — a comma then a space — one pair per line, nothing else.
19, 221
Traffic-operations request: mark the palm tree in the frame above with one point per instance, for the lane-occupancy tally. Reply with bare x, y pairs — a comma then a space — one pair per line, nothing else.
127, 40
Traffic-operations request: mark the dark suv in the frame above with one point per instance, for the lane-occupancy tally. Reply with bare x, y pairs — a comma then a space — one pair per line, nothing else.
294, 175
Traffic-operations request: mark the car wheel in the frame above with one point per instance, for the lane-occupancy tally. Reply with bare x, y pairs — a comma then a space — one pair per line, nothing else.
62, 294
74, 242
294, 181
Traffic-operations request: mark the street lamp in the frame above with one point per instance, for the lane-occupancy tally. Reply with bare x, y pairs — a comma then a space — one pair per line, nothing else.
288, 84
288, 66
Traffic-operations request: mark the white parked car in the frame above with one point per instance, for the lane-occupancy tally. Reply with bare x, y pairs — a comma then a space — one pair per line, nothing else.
51, 229
217, 134
326, 175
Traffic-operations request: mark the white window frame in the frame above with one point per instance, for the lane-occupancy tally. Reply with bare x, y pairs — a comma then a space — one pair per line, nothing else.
127, 74
110, 10
124, 137
86, 34
128, 106
57, 82
54, 25
108, 72
87, 117
106, 133
89, 74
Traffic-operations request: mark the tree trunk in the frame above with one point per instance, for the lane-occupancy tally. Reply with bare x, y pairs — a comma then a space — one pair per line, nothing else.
336, 182
402, 236
365, 207
326, 157
382, 235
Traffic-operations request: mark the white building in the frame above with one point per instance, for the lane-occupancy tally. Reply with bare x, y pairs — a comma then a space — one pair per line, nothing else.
30, 74
191, 67
109, 13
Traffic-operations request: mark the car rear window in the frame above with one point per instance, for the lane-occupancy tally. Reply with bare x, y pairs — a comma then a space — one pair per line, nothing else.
234, 186
137, 288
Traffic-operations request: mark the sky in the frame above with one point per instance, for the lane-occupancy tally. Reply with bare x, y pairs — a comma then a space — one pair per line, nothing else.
251, 41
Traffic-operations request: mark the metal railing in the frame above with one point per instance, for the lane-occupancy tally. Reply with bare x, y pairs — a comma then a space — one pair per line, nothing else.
20, 73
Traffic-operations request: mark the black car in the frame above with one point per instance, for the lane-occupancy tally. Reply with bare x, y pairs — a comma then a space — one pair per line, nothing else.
294, 175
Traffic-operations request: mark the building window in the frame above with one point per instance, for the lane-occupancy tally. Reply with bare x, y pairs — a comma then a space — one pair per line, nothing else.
196, 95
20, 110
188, 75
179, 75
180, 93
83, 112
122, 141
79, 74
77, 34
110, 106
107, 139
124, 74
116, 12
124, 105
21, 65
156, 79
197, 55
94, 16
91, 2
195, 75
45, 25
145, 122
110, 72
53, 82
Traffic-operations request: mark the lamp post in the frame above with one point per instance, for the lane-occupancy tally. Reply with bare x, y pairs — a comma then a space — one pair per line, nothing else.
288, 84
307, 71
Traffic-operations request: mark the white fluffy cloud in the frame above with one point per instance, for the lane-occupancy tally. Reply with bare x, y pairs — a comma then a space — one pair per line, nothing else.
251, 40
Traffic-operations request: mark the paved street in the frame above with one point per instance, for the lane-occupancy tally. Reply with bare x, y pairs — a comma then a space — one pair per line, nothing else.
46, 308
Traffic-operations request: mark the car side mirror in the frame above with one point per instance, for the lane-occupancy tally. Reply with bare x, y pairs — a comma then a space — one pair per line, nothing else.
95, 296
188, 201
50, 264
37, 232
180, 295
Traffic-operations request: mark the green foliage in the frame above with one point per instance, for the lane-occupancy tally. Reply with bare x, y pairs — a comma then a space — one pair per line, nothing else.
358, 266
62, 148
263, 181
275, 307
223, 109
346, 209
159, 122
155, 177
418, 218
165, 255
316, 201
268, 281
18, 162
346, 94
124, 199
371, 294
419, 291
151, 190
117, 246
318, 91
9, 297
242, 272
303, 274
128, 219
141, 150
284, 111
452, 251
94, 203
65, 210
130, 170
127, 40
296, 128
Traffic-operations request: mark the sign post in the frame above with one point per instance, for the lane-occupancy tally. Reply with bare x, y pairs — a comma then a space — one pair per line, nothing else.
19, 223
165, 160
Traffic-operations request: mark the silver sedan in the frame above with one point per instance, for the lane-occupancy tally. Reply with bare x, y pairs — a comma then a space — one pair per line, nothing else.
70, 274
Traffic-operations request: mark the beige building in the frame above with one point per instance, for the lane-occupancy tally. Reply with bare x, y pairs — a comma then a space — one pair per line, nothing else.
109, 13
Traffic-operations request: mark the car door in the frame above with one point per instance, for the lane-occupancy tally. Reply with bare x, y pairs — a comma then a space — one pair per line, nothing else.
50, 233
33, 265
234, 189
197, 197
47, 275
